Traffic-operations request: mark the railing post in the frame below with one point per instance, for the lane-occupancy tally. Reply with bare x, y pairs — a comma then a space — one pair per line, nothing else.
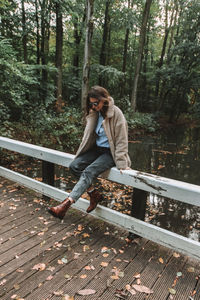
48, 172
138, 209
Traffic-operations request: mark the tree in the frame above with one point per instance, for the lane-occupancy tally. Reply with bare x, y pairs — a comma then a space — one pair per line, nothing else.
140, 52
87, 52
59, 55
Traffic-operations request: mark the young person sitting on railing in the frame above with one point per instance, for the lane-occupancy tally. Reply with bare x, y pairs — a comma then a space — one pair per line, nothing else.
104, 145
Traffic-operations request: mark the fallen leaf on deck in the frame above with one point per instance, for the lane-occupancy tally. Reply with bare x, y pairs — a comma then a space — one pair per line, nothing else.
85, 235
80, 227
86, 292
76, 255
161, 260
137, 275
67, 276
51, 269
83, 276
58, 293
172, 291
105, 255
39, 267
104, 264
19, 271
67, 297
176, 255
64, 260
49, 277
3, 282
85, 248
142, 289
190, 269
115, 277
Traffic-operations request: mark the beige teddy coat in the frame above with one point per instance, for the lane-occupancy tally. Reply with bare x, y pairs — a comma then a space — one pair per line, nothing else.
115, 127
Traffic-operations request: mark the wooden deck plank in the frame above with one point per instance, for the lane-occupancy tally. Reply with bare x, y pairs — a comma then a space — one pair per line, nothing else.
19, 230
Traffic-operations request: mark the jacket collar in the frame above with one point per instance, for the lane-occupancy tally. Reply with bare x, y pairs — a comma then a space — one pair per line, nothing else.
110, 111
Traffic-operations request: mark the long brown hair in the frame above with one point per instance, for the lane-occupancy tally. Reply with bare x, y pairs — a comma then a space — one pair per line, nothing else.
98, 93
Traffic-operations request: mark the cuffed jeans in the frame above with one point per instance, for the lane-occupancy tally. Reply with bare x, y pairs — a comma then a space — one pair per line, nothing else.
88, 166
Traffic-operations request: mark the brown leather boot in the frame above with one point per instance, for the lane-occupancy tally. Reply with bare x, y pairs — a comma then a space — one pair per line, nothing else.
95, 198
60, 210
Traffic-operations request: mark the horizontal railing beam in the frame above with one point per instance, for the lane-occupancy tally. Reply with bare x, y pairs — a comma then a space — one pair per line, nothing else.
164, 187
148, 231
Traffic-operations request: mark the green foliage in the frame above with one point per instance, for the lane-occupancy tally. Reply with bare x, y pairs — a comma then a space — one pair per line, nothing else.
143, 121
61, 132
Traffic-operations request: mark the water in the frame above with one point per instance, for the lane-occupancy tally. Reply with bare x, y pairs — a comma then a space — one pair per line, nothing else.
174, 154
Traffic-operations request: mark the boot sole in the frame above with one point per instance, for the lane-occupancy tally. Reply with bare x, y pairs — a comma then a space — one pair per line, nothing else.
54, 215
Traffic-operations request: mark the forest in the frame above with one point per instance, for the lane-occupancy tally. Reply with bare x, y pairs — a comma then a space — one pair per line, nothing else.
145, 52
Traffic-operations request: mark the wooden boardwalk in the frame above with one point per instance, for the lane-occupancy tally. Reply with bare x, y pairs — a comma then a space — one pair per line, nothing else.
42, 258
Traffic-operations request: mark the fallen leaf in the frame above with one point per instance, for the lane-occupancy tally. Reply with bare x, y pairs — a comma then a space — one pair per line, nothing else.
104, 264
3, 282
80, 227
115, 277
39, 267
137, 275
85, 248
176, 255
67, 297
190, 269
142, 289
49, 277
86, 292
105, 255
64, 260
83, 276
51, 269
132, 291
67, 276
172, 291
161, 260
85, 235
58, 293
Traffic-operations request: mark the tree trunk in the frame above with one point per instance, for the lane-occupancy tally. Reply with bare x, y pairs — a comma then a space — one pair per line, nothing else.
37, 33
87, 52
104, 46
140, 52
24, 34
58, 58
45, 33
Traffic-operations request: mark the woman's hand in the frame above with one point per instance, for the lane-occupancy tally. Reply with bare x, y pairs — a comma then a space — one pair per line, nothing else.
121, 170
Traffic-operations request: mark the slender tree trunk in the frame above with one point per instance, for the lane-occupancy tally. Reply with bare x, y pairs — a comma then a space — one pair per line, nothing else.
24, 34
45, 33
167, 30
140, 52
87, 52
58, 58
37, 32
104, 46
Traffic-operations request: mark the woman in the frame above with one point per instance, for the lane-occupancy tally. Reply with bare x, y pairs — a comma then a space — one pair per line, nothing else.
104, 145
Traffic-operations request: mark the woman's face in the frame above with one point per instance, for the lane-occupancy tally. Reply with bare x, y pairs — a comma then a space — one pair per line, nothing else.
96, 104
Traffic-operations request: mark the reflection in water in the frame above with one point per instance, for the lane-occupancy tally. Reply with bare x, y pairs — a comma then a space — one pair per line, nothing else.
175, 155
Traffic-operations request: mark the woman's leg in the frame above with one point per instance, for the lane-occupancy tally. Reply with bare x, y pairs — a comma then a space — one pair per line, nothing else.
92, 171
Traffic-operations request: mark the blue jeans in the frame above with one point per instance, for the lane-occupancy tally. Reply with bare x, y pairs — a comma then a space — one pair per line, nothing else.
88, 166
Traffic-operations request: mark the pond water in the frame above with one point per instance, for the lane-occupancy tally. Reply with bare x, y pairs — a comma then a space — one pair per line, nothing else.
174, 154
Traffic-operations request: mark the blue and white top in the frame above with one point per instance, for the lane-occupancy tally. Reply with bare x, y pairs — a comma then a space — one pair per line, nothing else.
101, 139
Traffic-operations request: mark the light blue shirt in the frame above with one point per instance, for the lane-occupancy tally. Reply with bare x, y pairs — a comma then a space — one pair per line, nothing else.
101, 139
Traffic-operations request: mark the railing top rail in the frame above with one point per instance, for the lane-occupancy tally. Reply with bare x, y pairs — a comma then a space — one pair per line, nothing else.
178, 190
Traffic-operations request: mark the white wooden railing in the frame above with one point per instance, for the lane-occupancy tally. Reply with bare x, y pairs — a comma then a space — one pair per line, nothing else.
165, 187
